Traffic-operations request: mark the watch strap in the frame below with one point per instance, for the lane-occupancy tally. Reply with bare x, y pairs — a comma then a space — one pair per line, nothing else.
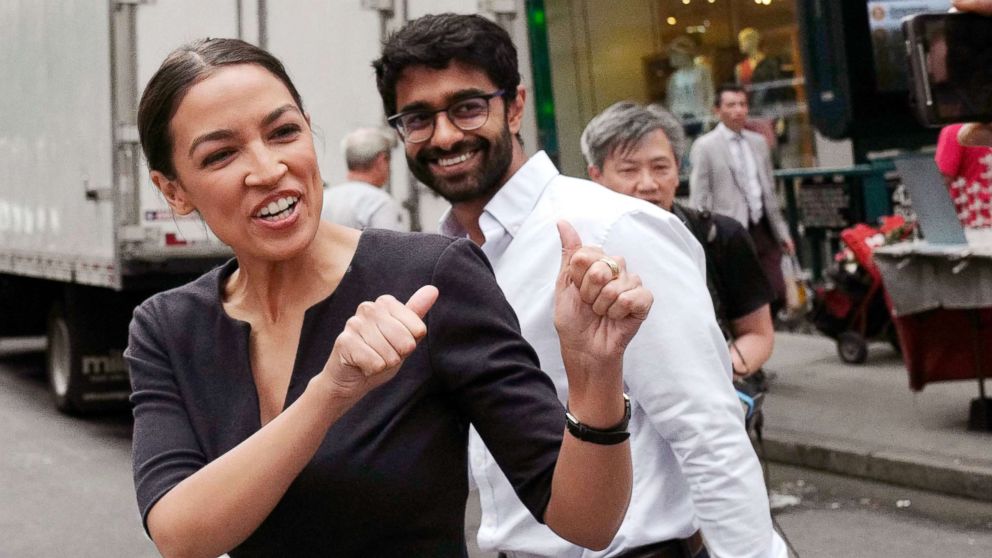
603, 436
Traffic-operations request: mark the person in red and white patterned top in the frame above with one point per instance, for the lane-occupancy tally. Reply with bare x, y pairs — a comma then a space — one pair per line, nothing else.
967, 171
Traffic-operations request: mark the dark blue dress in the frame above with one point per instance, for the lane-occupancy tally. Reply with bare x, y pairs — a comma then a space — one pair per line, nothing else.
390, 478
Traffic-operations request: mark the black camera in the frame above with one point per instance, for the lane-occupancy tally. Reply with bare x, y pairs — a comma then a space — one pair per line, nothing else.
950, 64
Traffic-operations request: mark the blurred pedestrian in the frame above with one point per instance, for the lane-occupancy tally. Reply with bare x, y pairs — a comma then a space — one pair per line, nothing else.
361, 202
967, 173
288, 403
731, 174
451, 87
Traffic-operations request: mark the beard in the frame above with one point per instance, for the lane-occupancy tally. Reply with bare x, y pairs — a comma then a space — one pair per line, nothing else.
479, 183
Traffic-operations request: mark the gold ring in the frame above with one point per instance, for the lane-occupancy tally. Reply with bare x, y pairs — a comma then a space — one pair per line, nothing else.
614, 266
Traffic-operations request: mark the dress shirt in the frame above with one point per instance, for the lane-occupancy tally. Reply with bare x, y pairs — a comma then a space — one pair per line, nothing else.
747, 168
361, 205
693, 462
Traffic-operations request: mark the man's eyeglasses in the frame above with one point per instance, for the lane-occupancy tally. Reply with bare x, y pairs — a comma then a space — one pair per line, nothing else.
417, 126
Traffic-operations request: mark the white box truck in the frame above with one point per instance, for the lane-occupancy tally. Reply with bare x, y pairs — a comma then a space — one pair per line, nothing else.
84, 236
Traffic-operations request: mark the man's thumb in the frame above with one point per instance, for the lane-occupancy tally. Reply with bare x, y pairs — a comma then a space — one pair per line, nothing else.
422, 300
570, 242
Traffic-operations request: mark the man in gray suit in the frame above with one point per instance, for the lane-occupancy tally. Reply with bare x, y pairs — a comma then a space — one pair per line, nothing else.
732, 175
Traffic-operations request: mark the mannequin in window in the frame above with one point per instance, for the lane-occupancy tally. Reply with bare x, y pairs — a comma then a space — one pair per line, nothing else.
758, 68
690, 87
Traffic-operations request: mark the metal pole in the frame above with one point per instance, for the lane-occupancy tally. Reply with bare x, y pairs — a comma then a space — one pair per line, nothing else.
240, 19
980, 412
124, 111
412, 202
263, 24
399, 17
976, 323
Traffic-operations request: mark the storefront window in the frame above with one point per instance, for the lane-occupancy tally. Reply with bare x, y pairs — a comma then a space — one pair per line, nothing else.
675, 53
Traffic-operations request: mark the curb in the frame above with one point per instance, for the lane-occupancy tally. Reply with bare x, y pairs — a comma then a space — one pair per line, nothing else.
932, 473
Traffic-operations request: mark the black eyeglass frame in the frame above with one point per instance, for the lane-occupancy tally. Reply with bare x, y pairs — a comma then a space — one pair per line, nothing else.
394, 120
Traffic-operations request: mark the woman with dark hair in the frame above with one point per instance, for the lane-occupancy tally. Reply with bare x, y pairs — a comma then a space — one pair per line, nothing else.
290, 403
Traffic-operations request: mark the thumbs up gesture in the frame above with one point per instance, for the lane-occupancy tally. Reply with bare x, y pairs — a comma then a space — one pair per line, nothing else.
376, 341
599, 306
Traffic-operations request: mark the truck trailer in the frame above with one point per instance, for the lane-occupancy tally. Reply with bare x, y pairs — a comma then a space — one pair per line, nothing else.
84, 235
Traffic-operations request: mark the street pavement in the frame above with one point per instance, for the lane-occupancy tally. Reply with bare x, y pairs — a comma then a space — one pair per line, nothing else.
863, 420
65, 486
65, 483
832, 516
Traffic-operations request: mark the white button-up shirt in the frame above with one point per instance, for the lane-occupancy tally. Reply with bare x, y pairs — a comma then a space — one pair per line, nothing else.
693, 462
746, 168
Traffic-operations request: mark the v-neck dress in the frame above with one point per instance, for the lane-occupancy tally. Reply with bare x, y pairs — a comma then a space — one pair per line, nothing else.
390, 478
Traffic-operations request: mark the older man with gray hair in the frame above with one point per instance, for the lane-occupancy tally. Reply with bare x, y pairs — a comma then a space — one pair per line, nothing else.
361, 202
636, 150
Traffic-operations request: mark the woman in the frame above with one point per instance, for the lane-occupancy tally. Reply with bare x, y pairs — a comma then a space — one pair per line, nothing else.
287, 403
966, 175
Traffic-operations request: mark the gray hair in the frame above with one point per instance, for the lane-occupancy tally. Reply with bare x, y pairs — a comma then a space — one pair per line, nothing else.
363, 145
623, 125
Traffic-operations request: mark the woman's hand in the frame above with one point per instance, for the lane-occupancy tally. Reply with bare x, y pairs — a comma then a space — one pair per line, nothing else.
376, 341
975, 134
978, 6
597, 311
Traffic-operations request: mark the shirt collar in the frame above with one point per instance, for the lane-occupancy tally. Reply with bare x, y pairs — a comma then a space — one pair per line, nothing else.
728, 133
515, 200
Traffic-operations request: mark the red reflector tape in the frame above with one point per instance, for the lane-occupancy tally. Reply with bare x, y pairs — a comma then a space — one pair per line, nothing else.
172, 240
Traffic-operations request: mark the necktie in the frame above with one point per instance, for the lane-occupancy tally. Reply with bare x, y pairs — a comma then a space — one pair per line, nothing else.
752, 190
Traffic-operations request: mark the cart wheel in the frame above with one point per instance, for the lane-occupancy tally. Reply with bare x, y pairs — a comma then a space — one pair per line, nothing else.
852, 348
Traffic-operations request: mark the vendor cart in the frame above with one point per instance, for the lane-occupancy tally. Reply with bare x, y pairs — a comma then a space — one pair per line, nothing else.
942, 306
850, 305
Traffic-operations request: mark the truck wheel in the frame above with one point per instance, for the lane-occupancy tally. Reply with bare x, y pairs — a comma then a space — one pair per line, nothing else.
63, 361
852, 348
87, 332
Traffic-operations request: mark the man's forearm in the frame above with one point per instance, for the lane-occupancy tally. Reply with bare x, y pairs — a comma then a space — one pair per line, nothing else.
591, 481
754, 339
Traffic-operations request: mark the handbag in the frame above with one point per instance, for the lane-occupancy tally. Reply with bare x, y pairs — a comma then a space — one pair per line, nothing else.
797, 289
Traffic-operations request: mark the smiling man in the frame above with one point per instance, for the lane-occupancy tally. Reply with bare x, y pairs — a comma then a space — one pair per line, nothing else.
451, 88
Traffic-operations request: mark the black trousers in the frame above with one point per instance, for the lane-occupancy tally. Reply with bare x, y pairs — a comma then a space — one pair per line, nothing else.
770, 256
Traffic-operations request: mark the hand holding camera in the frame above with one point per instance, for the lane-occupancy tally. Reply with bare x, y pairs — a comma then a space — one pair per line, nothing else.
950, 61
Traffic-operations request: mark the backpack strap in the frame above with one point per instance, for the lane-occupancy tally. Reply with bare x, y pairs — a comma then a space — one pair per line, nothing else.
701, 224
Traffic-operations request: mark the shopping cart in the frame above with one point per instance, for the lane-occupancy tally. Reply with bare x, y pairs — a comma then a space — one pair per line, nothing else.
851, 306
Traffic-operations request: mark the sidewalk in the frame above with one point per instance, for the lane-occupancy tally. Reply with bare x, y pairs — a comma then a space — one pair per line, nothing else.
863, 420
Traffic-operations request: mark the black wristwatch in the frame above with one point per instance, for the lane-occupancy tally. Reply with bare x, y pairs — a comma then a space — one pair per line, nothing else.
607, 437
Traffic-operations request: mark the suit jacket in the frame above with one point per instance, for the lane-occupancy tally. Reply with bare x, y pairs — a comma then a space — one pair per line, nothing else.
716, 185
